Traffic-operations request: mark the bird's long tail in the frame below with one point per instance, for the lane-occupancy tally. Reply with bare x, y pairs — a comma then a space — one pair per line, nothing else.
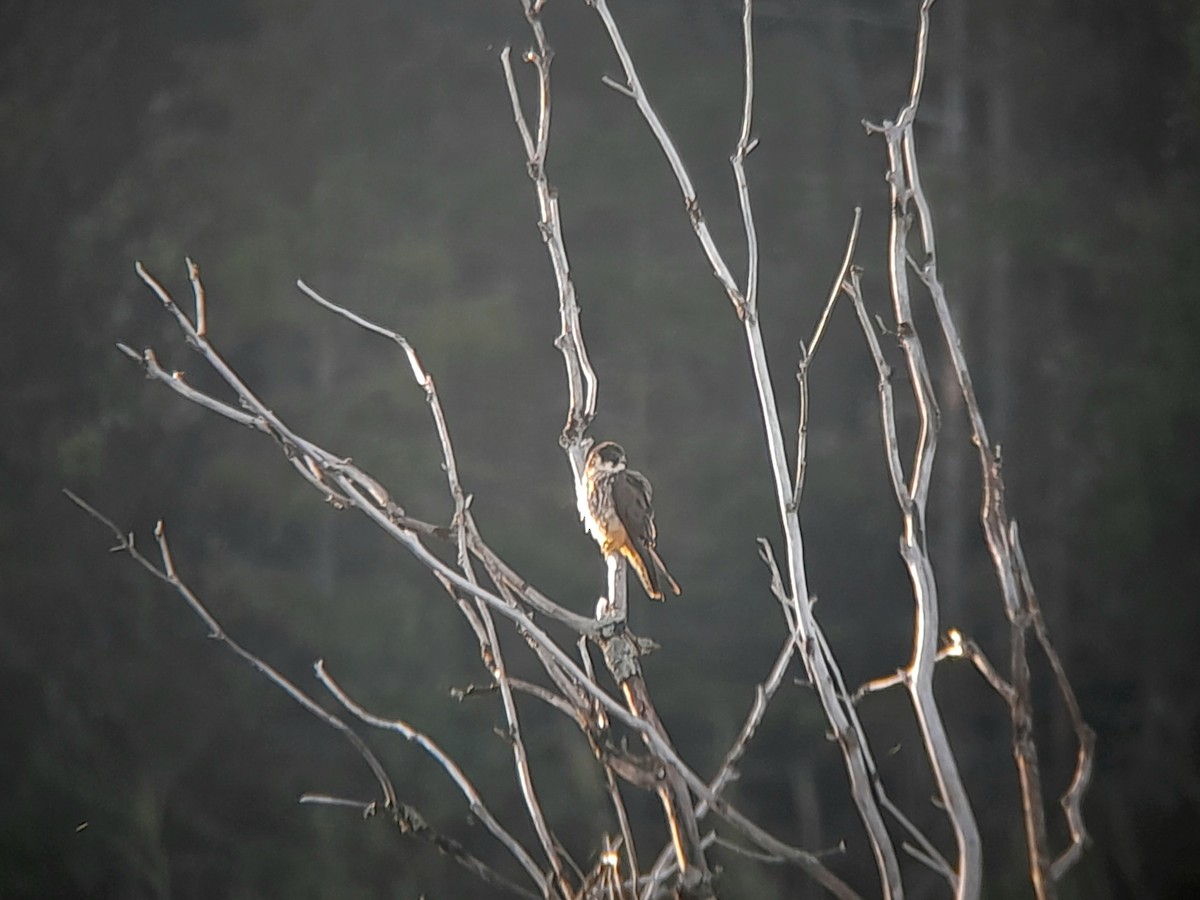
649, 567
646, 573
661, 568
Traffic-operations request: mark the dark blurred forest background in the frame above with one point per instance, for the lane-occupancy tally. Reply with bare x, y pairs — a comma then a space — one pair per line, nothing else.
368, 147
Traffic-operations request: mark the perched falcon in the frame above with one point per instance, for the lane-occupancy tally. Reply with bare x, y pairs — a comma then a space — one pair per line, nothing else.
620, 517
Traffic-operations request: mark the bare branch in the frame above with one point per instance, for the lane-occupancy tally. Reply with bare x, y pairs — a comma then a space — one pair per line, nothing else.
738, 160
506, 576
450, 465
168, 575
198, 293
345, 478
368, 809
854, 742
403, 815
541, 693
905, 173
410, 822
935, 862
581, 379
1028, 766
770, 858
887, 403
961, 646
633, 89
1072, 800
478, 808
767, 554
515, 97
809, 350
354, 486
927, 854
425, 381
618, 649
622, 89
484, 587
200, 343
521, 760
913, 494
489, 641
839, 285
957, 646
763, 693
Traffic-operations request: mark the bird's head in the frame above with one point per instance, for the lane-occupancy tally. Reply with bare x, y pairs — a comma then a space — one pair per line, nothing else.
607, 456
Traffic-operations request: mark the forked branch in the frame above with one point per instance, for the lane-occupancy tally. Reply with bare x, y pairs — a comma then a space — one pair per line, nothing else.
819, 666
1020, 603
490, 593
408, 819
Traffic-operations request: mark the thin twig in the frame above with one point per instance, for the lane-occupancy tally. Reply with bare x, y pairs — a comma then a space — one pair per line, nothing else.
899, 678
450, 465
855, 746
770, 858
999, 534
581, 407
928, 854
962, 646
738, 160
935, 862
478, 808
809, 350
727, 772
367, 808
1072, 799
659, 746
404, 816
763, 693
486, 632
358, 488
168, 575
508, 577
618, 804
887, 403
582, 385
839, 285
633, 89
411, 823
198, 293
345, 479
912, 495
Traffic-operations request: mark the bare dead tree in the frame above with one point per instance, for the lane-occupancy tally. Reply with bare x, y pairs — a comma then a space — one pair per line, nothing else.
492, 596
